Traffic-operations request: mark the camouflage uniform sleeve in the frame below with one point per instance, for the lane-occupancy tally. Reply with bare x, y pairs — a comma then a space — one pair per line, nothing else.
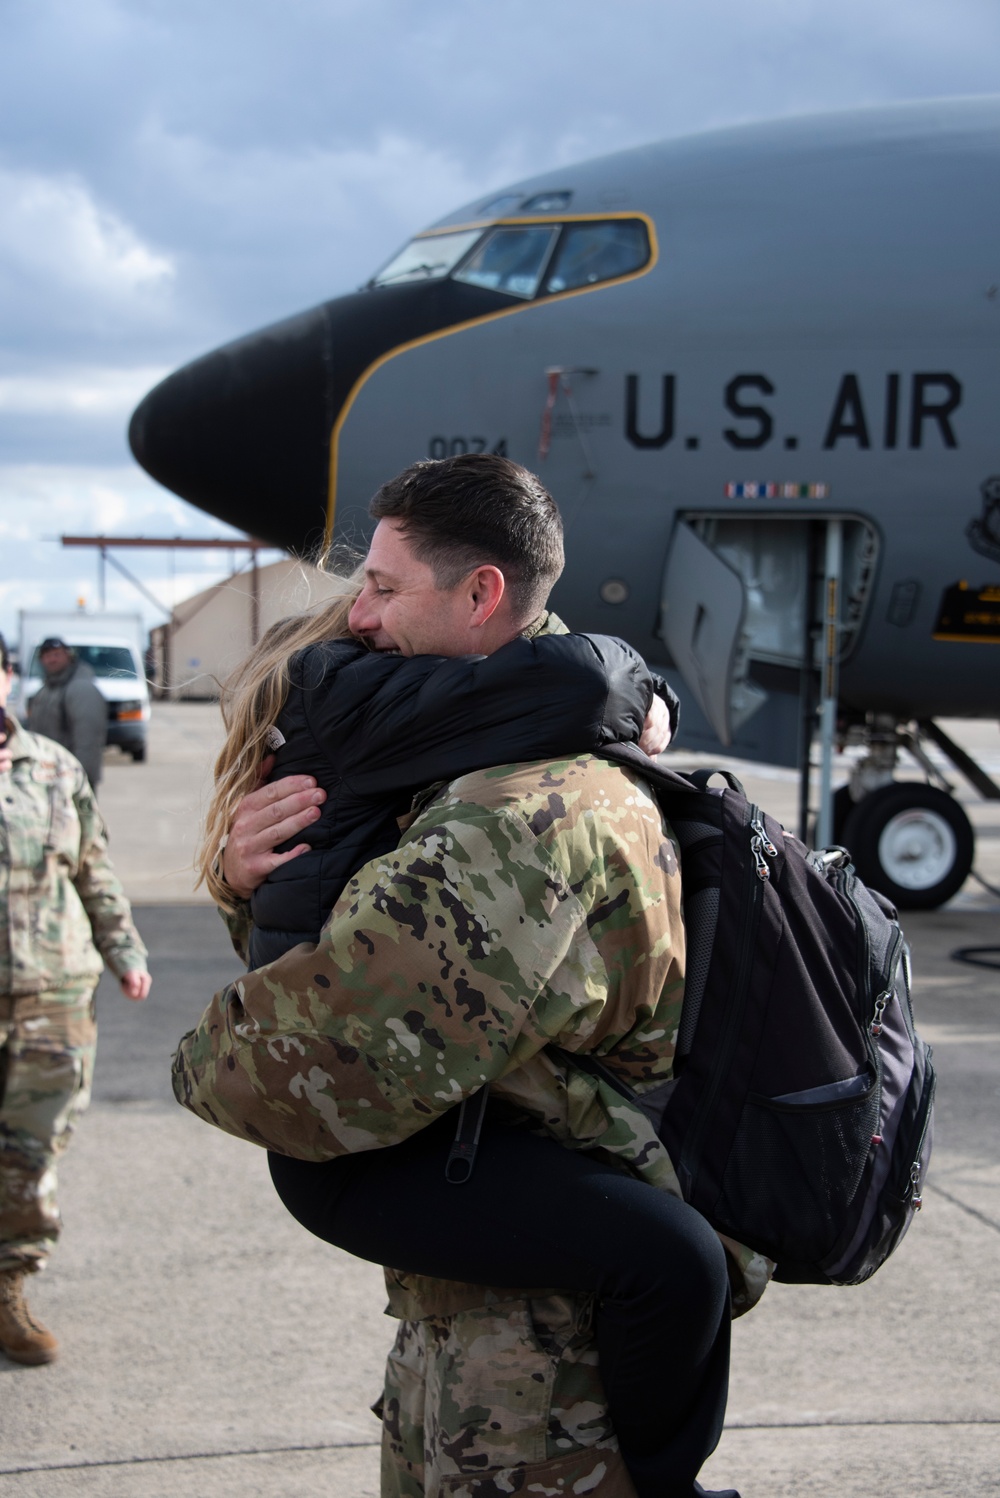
239, 923
425, 984
101, 893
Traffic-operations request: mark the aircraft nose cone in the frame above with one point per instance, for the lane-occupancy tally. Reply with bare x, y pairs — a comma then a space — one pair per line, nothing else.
244, 432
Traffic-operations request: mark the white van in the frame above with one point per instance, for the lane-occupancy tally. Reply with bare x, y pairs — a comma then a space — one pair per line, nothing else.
111, 645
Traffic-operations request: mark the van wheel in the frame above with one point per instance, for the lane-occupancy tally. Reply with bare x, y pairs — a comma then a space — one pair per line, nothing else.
138, 752
912, 842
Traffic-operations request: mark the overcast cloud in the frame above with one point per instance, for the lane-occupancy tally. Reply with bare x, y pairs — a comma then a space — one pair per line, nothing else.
174, 174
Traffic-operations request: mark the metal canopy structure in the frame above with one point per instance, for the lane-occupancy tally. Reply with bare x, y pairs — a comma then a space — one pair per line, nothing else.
104, 544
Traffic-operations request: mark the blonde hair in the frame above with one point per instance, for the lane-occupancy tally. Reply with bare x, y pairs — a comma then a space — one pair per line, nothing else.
251, 699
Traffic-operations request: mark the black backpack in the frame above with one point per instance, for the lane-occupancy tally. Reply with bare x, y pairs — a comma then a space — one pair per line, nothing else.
799, 1114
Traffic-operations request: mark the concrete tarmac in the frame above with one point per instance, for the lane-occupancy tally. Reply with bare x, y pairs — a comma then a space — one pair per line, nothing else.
210, 1346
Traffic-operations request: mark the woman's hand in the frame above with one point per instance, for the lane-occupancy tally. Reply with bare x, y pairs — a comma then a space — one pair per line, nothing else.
135, 984
655, 734
268, 816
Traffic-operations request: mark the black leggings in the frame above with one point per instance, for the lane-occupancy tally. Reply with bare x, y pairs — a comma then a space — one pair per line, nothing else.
535, 1213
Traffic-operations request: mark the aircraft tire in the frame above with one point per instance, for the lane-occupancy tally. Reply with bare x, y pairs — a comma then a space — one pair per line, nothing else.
912, 842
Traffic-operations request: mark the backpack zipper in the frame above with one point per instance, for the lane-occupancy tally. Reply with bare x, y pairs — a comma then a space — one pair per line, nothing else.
916, 1199
751, 900
912, 1189
907, 986
761, 843
842, 882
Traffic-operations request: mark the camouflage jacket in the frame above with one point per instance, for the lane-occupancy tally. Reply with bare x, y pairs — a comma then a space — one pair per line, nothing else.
61, 906
528, 905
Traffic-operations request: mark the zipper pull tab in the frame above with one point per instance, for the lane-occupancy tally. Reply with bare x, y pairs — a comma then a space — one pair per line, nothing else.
757, 823
915, 1196
760, 862
880, 1003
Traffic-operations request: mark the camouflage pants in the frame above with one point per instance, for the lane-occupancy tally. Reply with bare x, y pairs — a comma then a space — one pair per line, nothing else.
47, 1045
500, 1400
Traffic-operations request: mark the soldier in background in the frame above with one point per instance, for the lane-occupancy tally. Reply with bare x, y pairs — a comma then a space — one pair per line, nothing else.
69, 708
61, 911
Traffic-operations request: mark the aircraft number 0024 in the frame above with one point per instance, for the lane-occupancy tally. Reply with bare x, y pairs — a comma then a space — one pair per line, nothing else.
451, 447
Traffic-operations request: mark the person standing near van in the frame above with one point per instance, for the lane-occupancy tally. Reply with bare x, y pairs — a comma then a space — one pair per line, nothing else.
63, 914
69, 708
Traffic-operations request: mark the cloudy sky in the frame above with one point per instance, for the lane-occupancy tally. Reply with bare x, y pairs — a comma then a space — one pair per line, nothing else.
173, 174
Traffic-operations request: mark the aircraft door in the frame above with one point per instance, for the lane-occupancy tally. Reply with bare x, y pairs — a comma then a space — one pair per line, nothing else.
742, 595
703, 611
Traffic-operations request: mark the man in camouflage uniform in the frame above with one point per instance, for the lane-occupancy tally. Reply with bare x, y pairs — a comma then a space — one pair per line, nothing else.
527, 906
61, 911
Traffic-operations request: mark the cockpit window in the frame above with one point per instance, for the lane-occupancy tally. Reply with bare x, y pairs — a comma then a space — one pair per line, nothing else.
427, 258
511, 259
497, 207
524, 260
548, 202
589, 253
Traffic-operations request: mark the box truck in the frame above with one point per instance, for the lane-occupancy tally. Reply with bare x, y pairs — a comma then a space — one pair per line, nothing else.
112, 644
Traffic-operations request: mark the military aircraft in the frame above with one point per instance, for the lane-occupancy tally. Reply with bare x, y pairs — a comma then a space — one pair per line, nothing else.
758, 370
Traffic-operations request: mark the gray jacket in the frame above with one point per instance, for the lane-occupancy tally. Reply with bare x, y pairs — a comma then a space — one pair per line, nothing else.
71, 710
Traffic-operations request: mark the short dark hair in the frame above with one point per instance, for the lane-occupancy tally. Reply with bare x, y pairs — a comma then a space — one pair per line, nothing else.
5, 660
476, 508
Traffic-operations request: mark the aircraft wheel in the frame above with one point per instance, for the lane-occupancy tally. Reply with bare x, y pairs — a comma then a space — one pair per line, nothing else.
911, 842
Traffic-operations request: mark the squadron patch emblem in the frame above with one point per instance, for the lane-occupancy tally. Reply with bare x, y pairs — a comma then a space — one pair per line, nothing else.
984, 531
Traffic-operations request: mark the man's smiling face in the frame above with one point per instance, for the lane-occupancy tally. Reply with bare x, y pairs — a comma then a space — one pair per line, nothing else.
402, 608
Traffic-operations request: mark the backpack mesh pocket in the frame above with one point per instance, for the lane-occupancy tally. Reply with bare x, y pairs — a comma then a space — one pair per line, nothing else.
806, 1154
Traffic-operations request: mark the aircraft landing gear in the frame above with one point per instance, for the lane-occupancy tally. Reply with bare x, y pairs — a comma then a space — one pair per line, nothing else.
911, 842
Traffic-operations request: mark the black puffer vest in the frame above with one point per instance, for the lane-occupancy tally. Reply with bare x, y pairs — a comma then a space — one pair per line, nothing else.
374, 729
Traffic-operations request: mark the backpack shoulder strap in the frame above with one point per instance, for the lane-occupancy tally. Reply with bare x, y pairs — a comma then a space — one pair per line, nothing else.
700, 779
462, 1155
663, 779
